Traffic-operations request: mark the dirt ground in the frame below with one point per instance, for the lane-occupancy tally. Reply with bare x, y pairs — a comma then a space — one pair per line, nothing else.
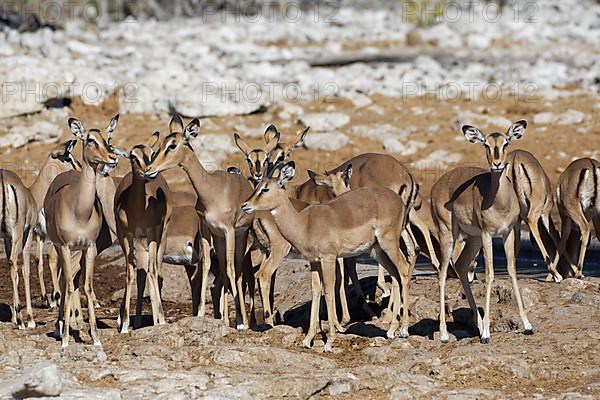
195, 357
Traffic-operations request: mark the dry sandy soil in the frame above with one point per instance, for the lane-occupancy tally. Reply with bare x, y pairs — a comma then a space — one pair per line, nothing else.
195, 357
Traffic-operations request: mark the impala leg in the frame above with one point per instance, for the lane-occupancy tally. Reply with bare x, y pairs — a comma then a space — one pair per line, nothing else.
11, 250
221, 256
511, 264
236, 249
250, 280
141, 277
446, 250
402, 269
55, 274
90, 258
67, 272
315, 268
383, 259
488, 255
129, 281
565, 232
340, 285
26, 280
385, 291
420, 225
155, 271
265, 278
39, 245
463, 266
535, 232
585, 240
205, 247
350, 266
328, 267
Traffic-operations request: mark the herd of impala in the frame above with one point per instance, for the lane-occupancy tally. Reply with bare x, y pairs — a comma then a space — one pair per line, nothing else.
243, 227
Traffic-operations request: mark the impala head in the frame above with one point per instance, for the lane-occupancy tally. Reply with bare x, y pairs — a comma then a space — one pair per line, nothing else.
281, 153
496, 143
257, 158
96, 150
63, 152
174, 148
338, 182
141, 155
270, 192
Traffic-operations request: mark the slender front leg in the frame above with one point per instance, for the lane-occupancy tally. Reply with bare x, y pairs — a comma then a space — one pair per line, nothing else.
511, 264
129, 281
67, 268
328, 270
141, 277
90, 258
26, 280
315, 268
265, 278
488, 255
153, 267
205, 246
236, 248
385, 291
340, 284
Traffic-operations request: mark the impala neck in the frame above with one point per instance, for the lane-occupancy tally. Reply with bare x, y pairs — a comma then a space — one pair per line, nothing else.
289, 222
202, 181
138, 186
86, 190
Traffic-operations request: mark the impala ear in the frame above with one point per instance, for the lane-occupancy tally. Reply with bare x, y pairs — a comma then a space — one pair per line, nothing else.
299, 141
176, 124
64, 149
191, 130
516, 130
77, 128
153, 140
239, 142
286, 174
112, 125
347, 175
473, 134
270, 133
119, 153
319, 179
272, 143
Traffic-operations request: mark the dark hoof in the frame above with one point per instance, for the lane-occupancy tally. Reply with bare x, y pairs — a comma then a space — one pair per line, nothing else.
444, 341
528, 332
484, 340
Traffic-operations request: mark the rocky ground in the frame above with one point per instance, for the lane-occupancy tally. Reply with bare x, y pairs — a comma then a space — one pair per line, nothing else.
194, 357
365, 81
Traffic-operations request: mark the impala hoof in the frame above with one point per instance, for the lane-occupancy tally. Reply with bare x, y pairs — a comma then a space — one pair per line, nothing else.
390, 334
307, 343
528, 331
484, 340
403, 334
124, 330
31, 324
241, 327
97, 343
327, 348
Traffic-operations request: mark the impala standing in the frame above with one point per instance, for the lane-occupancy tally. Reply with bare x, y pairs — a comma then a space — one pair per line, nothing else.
468, 203
74, 218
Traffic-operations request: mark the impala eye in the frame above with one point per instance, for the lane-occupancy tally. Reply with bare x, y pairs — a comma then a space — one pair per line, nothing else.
172, 146
265, 189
